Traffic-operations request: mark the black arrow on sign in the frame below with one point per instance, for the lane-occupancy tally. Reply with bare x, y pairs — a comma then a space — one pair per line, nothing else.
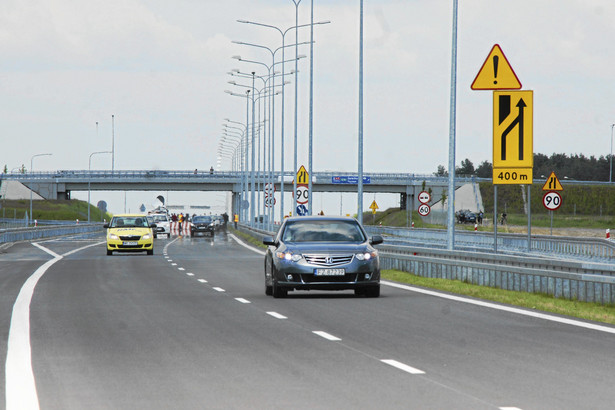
517, 121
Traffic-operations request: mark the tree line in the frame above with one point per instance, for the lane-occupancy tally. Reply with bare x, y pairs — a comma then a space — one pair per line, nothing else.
573, 167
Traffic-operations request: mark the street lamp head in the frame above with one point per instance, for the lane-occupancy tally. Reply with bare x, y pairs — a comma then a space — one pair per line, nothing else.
235, 70
236, 57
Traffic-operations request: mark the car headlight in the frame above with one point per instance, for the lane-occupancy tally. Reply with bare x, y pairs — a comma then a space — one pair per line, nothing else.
113, 236
147, 236
366, 256
289, 256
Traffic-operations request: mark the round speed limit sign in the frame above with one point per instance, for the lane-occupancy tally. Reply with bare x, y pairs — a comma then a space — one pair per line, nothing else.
552, 200
302, 194
424, 210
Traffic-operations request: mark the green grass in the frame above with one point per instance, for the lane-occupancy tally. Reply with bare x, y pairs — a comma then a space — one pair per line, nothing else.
51, 210
545, 303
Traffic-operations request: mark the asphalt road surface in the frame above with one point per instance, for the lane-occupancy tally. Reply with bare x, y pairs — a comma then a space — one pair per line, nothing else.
191, 328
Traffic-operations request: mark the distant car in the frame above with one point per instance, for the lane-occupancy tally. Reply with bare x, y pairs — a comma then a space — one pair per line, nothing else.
163, 224
130, 233
201, 225
325, 253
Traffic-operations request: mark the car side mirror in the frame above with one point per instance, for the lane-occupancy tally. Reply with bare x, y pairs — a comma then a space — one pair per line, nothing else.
153, 225
268, 240
106, 226
376, 240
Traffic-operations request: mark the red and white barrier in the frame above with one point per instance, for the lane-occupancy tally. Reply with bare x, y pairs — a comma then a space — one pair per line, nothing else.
175, 228
608, 234
475, 227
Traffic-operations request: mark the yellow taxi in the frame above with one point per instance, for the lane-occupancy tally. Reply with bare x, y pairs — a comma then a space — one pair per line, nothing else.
130, 233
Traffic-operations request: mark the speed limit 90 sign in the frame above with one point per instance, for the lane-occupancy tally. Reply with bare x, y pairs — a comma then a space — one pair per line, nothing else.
302, 194
552, 200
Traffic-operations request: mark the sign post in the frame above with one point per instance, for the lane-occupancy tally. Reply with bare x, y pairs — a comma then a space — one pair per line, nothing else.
302, 194
552, 199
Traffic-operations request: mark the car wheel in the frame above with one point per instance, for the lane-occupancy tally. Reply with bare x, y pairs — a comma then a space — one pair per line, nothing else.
268, 290
150, 252
109, 253
372, 291
168, 236
278, 292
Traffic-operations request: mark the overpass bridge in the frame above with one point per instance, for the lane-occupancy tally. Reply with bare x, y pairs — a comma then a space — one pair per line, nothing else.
60, 184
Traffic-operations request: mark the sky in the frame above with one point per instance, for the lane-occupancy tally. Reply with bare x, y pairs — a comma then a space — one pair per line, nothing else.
161, 68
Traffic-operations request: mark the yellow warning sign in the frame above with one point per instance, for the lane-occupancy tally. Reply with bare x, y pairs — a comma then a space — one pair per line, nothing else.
496, 73
513, 142
302, 176
373, 206
552, 184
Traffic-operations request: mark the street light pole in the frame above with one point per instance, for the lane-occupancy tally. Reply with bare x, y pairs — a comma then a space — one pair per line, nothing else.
450, 237
31, 169
294, 207
90, 176
360, 181
611, 158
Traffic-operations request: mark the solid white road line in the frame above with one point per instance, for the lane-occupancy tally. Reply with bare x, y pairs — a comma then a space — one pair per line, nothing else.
20, 386
277, 315
242, 300
403, 367
326, 335
240, 242
509, 309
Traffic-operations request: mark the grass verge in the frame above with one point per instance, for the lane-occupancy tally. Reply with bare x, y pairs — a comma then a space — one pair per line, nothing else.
546, 303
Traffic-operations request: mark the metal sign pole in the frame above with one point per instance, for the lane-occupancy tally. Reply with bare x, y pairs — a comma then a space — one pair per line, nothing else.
495, 218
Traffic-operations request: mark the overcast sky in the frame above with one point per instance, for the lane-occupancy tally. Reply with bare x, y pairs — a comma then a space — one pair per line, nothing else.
161, 68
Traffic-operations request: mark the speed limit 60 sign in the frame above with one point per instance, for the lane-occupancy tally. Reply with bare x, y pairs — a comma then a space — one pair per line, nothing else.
424, 210
552, 200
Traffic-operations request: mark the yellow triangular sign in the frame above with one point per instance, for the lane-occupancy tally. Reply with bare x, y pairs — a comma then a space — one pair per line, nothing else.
302, 176
552, 184
496, 73
374, 205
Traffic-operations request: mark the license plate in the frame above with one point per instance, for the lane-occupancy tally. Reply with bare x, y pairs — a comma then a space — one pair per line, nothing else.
131, 243
329, 272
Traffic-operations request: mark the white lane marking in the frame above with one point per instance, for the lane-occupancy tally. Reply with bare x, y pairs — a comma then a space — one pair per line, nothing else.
181, 269
169, 260
166, 257
202, 280
510, 408
242, 300
20, 386
247, 246
189, 273
509, 309
49, 251
402, 366
326, 335
277, 315
218, 289
174, 264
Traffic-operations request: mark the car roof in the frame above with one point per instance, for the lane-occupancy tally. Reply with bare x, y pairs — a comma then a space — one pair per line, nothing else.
130, 215
320, 218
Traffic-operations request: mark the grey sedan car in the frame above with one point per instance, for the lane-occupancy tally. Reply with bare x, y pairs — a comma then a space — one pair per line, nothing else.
324, 253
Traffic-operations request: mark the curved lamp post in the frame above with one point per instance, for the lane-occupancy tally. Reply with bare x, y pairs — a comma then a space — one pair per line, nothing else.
90, 176
31, 169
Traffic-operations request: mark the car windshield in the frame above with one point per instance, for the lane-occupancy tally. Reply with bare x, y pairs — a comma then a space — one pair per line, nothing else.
323, 231
129, 222
201, 219
160, 218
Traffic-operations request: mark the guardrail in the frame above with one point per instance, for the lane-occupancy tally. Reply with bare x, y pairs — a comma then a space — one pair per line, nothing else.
28, 234
568, 279
569, 247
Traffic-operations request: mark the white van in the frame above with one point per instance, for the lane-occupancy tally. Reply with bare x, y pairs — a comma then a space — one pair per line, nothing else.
163, 224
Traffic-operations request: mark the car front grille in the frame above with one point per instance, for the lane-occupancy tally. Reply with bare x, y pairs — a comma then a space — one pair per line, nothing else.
130, 238
328, 260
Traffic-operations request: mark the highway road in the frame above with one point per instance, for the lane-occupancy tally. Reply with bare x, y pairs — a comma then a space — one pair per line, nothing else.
191, 328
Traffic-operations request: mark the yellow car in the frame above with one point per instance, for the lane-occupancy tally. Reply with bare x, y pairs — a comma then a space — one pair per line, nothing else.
130, 233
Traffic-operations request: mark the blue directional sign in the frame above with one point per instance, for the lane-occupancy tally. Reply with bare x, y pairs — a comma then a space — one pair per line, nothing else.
302, 210
349, 179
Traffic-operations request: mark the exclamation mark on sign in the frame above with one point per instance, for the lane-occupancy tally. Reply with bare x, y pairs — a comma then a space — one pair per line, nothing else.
496, 60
